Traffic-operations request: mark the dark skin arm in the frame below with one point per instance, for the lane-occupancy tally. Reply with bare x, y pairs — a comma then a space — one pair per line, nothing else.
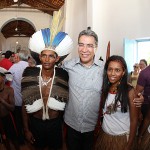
27, 132
139, 89
9, 103
139, 99
133, 119
129, 78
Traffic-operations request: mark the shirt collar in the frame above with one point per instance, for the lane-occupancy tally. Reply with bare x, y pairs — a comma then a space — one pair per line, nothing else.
96, 62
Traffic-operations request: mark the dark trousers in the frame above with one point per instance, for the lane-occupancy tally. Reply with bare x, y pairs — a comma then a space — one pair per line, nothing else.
144, 109
47, 133
79, 141
19, 123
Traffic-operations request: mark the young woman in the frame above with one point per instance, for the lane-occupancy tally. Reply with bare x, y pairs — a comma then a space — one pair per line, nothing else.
120, 115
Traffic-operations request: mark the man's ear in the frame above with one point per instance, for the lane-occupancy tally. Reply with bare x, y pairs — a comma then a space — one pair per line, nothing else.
95, 49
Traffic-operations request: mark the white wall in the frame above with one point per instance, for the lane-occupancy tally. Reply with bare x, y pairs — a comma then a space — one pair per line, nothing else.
118, 19
75, 20
12, 45
112, 20
2, 41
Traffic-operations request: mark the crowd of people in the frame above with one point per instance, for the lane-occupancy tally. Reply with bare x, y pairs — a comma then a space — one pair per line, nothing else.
59, 106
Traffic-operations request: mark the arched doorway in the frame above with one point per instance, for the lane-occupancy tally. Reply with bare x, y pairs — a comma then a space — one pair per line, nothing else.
20, 27
16, 34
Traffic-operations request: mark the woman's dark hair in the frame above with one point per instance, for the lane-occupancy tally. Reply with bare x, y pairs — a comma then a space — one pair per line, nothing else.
123, 87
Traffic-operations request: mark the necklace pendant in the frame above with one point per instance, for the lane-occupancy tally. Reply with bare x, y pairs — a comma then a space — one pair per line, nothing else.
45, 83
110, 109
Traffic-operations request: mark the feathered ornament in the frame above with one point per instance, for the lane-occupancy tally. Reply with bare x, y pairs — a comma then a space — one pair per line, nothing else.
56, 25
57, 41
108, 51
52, 39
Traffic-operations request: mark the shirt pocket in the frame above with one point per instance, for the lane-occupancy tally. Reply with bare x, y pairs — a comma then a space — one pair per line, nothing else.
87, 82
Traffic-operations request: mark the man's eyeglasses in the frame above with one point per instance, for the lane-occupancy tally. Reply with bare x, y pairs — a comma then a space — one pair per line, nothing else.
135, 66
88, 46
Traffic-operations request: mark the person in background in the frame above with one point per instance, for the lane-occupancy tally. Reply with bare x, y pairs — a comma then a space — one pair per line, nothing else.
144, 133
32, 62
143, 85
15, 58
133, 76
16, 70
35, 56
6, 62
120, 115
1, 57
7, 127
143, 64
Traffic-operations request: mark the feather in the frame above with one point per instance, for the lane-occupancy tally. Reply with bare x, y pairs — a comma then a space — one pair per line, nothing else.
56, 25
46, 36
52, 39
61, 24
36, 42
65, 46
58, 38
108, 51
37, 105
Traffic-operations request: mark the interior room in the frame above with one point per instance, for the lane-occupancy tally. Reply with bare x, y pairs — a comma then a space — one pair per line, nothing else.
122, 26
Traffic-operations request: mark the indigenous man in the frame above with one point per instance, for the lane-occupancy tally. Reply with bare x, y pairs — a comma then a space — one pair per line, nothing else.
45, 89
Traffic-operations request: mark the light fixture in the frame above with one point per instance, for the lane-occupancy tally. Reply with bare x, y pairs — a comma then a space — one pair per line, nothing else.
16, 29
15, 1
17, 42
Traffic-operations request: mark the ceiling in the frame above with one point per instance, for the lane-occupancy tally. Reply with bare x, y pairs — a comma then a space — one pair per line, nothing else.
17, 28
23, 28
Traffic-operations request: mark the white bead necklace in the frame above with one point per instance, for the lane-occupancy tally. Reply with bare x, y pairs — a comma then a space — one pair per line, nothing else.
45, 83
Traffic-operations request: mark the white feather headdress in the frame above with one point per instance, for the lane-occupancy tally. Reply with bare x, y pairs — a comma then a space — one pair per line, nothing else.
52, 38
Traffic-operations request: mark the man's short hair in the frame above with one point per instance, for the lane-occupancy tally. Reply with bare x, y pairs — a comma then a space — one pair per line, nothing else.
8, 54
89, 32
